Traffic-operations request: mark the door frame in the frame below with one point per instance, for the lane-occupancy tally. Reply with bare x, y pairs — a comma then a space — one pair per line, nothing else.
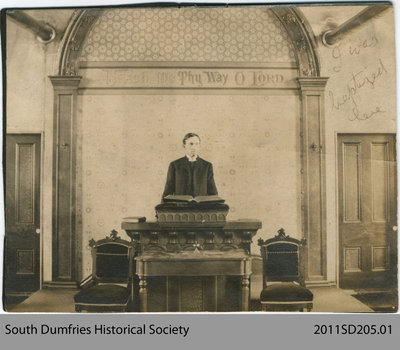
41, 134
337, 134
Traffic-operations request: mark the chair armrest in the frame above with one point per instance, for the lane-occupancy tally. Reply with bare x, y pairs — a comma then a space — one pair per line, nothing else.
86, 282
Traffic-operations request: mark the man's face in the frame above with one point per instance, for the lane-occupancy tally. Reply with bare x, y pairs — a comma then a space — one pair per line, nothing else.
192, 146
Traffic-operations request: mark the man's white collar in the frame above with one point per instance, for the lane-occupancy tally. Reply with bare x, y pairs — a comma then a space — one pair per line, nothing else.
191, 159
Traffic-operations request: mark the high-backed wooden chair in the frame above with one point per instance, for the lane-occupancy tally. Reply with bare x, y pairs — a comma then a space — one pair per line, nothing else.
110, 286
283, 275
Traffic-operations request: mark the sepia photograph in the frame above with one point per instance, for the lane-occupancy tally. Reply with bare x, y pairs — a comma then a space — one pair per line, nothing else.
200, 158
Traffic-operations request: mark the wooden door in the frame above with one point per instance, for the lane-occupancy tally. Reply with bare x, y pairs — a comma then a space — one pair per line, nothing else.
367, 211
22, 207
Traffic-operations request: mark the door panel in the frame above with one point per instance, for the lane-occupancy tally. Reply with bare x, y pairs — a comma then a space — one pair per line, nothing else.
367, 211
22, 206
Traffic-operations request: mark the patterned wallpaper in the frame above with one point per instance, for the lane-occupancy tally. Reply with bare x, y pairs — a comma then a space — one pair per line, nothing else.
188, 34
127, 142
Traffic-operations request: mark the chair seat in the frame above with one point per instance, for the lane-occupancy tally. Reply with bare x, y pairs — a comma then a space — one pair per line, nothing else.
104, 295
286, 292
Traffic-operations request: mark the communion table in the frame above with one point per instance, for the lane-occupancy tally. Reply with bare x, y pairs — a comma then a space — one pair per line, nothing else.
193, 266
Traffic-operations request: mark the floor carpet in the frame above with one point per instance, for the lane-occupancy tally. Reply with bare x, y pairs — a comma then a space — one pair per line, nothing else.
326, 299
379, 301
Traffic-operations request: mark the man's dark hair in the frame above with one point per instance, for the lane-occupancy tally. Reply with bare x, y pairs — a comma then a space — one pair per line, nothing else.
189, 135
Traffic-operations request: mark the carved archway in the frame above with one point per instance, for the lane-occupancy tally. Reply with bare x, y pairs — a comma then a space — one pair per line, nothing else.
79, 26
303, 40
312, 140
291, 19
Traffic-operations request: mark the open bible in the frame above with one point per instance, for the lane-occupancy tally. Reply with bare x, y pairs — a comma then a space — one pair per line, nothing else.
197, 199
134, 219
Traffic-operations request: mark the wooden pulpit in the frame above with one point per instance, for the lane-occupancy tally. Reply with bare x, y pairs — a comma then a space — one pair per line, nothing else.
193, 265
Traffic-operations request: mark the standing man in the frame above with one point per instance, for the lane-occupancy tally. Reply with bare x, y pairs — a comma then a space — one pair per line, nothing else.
190, 175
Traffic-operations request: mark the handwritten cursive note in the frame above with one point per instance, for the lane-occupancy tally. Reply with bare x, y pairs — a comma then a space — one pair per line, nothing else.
339, 50
360, 80
356, 49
